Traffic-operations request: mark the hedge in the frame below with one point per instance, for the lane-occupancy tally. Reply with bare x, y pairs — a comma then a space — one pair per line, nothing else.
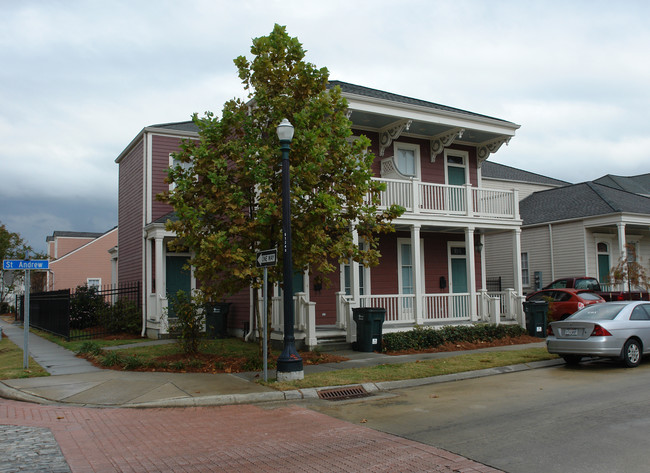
422, 338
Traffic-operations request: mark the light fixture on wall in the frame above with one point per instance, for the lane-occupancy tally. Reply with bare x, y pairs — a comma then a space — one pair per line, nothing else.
478, 242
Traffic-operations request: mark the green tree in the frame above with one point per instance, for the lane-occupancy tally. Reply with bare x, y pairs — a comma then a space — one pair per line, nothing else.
12, 246
629, 269
228, 201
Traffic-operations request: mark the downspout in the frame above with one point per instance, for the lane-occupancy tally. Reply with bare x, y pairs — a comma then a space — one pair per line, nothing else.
145, 189
550, 239
251, 315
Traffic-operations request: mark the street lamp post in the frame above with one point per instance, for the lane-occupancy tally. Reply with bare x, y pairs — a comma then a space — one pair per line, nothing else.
289, 366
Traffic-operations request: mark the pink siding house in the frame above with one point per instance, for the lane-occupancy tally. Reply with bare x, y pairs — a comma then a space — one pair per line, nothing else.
78, 258
432, 269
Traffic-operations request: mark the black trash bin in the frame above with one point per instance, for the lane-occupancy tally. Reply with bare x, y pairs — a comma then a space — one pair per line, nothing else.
216, 319
369, 322
536, 318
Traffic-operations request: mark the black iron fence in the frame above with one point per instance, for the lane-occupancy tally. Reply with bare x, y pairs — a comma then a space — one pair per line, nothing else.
86, 312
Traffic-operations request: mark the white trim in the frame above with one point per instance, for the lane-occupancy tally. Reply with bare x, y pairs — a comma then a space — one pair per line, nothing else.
98, 285
461, 154
450, 245
420, 276
397, 145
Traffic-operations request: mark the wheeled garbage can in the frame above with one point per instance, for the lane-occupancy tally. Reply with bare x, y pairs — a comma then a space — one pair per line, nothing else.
536, 321
216, 319
369, 322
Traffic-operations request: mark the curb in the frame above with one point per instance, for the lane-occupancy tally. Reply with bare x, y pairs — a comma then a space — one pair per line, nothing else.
293, 395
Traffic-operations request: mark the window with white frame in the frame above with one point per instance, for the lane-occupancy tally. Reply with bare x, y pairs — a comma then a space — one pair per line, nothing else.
94, 282
525, 273
407, 159
173, 162
363, 277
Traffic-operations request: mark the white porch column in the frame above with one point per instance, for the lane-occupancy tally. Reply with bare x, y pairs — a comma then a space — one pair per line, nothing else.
418, 280
516, 258
622, 247
471, 271
160, 279
354, 275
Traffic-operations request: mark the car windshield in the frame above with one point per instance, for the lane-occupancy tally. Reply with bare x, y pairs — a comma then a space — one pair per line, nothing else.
598, 312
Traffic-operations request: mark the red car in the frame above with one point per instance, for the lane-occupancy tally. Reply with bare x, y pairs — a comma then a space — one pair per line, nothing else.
564, 302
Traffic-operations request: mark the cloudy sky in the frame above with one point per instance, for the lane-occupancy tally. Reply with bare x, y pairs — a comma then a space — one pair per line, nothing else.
79, 79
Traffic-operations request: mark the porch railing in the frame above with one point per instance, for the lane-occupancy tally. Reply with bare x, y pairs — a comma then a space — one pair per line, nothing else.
428, 198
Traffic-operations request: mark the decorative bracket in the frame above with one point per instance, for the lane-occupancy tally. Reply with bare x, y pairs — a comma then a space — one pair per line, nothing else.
439, 142
390, 133
485, 149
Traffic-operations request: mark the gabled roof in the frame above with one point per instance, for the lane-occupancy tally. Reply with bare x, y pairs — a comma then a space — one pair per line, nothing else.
638, 184
587, 199
180, 126
66, 234
502, 172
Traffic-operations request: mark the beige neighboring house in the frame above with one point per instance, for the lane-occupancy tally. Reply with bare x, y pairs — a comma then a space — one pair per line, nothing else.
81, 258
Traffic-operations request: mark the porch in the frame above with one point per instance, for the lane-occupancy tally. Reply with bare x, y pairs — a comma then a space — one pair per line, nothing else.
429, 199
403, 312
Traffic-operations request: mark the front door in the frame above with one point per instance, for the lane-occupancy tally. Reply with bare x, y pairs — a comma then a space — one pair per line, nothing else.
177, 278
458, 278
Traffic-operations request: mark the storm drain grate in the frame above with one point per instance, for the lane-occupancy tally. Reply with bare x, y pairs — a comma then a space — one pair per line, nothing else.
338, 394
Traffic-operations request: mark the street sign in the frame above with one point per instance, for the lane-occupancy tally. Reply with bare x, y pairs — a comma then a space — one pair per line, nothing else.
9, 264
267, 258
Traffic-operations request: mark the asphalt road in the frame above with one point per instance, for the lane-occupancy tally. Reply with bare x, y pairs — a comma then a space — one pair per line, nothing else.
592, 418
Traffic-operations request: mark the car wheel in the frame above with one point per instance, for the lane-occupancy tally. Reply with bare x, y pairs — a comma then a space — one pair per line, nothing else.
632, 353
564, 316
572, 359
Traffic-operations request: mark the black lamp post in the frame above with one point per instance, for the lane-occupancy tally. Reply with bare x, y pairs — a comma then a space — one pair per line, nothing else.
289, 365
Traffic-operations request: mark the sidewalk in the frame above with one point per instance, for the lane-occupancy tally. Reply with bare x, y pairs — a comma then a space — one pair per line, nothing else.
77, 382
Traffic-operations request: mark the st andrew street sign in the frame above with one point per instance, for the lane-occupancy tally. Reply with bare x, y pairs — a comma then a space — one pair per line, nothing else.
17, 264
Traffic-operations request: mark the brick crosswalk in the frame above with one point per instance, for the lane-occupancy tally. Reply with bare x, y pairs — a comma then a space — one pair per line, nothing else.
241, 438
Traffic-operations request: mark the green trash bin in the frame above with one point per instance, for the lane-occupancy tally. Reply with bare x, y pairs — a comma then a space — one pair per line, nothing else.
216, 319
536, 318
369, 322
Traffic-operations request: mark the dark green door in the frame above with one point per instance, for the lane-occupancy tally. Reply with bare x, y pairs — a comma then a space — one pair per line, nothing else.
177, 277
456, 177
459, 285
603, 269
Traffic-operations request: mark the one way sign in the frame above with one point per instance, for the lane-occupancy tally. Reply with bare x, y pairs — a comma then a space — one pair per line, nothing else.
267, 258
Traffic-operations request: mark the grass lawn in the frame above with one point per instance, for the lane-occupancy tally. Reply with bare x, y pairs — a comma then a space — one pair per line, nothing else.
74, 345
11, 362
418, 369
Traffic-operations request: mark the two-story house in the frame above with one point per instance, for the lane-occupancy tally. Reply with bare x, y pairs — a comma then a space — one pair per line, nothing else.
432, 269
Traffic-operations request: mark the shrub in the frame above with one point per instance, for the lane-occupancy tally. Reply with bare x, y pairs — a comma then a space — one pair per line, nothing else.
112, 358
422, 338
86, 306
90, 348
189, 320
132, 362
122, 317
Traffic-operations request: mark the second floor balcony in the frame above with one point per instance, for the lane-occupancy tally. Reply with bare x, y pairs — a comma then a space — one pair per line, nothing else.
427, 198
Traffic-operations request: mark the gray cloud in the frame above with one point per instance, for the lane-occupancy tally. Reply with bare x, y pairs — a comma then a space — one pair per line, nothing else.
81, 78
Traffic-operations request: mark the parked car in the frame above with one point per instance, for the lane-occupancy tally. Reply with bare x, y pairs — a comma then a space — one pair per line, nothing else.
592, 284
619, 330
564, 302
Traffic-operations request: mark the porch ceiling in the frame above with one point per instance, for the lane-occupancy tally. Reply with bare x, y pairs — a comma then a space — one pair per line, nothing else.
375, 122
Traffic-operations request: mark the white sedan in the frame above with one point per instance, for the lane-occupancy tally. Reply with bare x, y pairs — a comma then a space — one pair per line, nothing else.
619, 330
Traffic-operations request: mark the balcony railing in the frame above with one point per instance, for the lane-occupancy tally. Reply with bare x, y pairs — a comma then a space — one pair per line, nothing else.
439, 199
